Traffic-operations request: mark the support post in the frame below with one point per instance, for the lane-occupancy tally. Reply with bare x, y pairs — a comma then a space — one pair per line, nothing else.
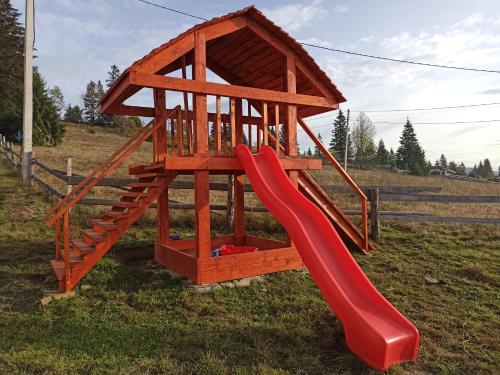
239, 183
374, 215
346, 140
163, 225
28, 95
67, 267
69, 173
229, 204
201, 178
290, 129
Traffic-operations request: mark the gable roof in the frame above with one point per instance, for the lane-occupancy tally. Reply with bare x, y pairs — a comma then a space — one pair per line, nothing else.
244, 58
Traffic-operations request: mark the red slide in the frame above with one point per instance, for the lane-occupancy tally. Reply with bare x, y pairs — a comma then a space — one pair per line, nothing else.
374, 330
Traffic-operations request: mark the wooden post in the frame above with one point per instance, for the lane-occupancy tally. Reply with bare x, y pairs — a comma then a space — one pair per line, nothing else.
189, 130
249, 112
67, 269
180, 140
291, 114
160, 135
230, 205
265, 123
232, 114
162, 217
277, 128
374, 214
201, 178
239, 184
217, 129
69, 173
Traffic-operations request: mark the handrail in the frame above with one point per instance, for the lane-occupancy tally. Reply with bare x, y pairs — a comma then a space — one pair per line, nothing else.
331, 159
105, 168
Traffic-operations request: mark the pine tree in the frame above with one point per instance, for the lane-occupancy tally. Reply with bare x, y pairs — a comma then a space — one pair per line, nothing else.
90, 103
47, 129
73, 114
410, 155
57, 97
362, 138
11, 70
101, 117
309, 152
488, 170
392, 158
113, 75
338, 139
443, 163
461, 169
452, 166
382, 156
317, 152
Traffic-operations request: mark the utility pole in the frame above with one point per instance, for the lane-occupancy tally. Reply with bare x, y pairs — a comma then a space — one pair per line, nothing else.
27, 154
346, 140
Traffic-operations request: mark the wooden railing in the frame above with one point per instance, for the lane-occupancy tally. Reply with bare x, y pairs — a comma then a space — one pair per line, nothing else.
61, 211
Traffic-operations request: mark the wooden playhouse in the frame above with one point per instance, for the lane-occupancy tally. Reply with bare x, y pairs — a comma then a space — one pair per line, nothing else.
271, 85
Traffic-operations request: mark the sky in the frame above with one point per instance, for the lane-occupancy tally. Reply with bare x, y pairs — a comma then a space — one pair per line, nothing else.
78, 40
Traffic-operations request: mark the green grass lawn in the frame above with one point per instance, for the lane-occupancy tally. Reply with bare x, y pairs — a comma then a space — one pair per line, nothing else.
135, 319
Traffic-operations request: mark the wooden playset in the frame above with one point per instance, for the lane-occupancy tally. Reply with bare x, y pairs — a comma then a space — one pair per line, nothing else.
272, 85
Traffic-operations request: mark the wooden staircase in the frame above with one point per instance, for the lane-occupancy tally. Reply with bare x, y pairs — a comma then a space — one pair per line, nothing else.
76, 257
95, 242
343, 224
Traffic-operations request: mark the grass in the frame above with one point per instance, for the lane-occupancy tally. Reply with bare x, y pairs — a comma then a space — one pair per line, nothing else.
135, 319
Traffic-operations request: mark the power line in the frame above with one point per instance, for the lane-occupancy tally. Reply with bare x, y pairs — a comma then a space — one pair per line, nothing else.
172, 10
344, 51
411, 110
402, 61
418, 123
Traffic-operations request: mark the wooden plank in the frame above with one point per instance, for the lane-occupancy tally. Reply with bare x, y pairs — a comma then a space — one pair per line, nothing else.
212, 88
265, 123
264, 243
160, 135
180, 132
217, 125
177, 261
187, 114
232, 111
277, 129
443, 219
374, 215
440, 198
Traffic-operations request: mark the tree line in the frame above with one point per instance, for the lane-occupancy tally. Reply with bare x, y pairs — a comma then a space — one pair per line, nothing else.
47, 110
361, 147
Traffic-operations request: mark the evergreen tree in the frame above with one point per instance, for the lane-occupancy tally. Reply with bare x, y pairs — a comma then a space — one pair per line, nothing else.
461, 169
73, 114
410, 155
392, 158
453, 166
101, 118
382, 155
488, 170
443, 163
362, 138
480, 169
113, 74
57, 97
11, 70
338, 139
309, 152
90, 104
317, 152
47, 130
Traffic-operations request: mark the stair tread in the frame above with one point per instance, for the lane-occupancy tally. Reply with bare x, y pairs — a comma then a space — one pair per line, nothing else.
95, 236
124, 204
106, 225
144, 184
58, 268
149, 174
83, 247
115, 214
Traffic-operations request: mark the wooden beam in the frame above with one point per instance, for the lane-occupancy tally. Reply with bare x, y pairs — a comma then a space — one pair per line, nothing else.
201, 178
232, 163
212, 88
160, 135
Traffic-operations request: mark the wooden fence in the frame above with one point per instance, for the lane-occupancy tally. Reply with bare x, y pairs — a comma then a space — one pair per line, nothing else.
376, 194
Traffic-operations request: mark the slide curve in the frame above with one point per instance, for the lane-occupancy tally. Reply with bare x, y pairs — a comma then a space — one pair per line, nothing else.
374, 329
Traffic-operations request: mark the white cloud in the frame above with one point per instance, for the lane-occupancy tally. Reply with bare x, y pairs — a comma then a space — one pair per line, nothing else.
294, 17
340, 9
317, 41
367, 39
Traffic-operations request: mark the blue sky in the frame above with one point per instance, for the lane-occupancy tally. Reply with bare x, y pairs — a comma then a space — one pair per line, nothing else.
78, 40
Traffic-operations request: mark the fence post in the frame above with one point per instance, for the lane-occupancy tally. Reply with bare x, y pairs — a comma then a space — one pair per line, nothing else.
373, 195
229, 204
69, 173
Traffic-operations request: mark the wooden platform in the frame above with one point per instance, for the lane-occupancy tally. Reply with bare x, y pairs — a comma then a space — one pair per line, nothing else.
273, 256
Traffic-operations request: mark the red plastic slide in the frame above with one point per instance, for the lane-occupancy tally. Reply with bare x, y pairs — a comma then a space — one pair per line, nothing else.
375, 331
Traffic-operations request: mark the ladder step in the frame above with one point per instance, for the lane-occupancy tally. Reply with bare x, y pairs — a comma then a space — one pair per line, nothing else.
144, 184
124, 204
114, 215
149, 175
58, 267
93, 236
138, 168
83, 247
134, 194
103, 224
